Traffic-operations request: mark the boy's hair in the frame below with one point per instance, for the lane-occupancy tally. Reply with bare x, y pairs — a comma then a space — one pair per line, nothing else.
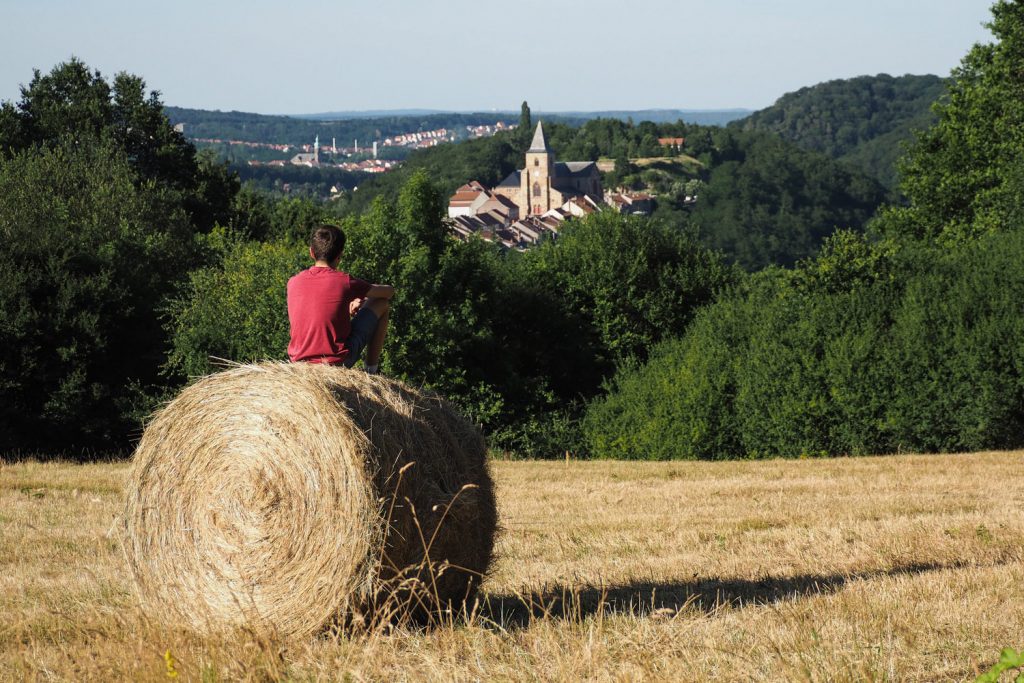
327, 243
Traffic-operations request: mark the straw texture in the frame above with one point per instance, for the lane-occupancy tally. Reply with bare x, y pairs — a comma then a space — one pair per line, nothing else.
289, 497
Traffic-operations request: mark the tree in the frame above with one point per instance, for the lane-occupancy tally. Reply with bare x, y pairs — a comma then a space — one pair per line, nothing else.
73, 103
866, 349
623, 167
87, 256
525, 123
767, 201
964, 175
633, 280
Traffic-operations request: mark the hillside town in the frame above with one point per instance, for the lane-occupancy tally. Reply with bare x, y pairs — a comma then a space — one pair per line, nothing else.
532, 203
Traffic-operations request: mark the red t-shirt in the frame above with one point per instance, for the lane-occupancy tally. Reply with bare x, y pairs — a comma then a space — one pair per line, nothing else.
318, 300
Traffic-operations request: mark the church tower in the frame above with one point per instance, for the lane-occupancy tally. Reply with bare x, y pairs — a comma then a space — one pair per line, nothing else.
536, 177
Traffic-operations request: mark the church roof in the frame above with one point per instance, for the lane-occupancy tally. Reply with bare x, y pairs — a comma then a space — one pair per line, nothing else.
566, 169
539, 144
577, 166
511, 181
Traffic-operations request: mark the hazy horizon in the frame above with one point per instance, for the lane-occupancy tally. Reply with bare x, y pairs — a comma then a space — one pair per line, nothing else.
562, 56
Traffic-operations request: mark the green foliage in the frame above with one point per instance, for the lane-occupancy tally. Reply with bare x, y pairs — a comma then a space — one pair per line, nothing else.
234, 309
298, 181
862, 120
634, 280
768, 202
100, 200
867, 349
964, 176
87, 252
1009, 659
494, 332
70, 103
525, 124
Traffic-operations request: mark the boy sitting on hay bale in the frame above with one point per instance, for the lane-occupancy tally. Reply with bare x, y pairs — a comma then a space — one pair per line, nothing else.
333, 315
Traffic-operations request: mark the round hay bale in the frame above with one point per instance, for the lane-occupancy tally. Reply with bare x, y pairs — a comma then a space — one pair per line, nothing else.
290, 497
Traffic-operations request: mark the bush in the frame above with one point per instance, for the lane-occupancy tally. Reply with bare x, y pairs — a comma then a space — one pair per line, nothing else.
923, 355
235, 309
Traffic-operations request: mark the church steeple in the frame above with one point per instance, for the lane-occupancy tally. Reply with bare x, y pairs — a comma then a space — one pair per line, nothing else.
540, 143
536, 177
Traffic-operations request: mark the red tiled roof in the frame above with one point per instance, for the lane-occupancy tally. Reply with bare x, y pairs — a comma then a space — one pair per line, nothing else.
465, 198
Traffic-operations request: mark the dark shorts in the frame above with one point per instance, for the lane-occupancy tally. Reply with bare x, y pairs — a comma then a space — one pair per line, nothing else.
364, 324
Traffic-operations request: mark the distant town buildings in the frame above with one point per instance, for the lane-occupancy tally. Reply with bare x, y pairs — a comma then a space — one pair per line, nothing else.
532, 203
340, 157
487, 131
427, 138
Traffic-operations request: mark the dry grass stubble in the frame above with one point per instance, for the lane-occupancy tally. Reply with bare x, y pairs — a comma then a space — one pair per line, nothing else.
905, 568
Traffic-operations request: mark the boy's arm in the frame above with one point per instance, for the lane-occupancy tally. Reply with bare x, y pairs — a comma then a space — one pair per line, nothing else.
380, 292
374, 292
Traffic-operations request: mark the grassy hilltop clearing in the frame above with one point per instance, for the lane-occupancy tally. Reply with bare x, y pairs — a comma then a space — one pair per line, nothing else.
891, 568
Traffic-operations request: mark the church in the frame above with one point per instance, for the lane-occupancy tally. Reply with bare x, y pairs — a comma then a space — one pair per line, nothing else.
547, 184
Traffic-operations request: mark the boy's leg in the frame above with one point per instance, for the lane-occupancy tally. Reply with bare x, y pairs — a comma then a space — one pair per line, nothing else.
380, 307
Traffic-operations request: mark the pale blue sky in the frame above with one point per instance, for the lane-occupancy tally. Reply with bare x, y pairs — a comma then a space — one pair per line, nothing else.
300, 56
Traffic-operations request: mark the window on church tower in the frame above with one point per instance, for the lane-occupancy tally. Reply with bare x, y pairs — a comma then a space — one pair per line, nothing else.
536, 189
536, 162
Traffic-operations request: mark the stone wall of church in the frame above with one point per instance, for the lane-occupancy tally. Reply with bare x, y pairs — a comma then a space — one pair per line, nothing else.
510, 192
515, 195
534, 203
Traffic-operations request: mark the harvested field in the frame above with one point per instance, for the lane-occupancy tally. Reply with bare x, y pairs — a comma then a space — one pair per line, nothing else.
896, 568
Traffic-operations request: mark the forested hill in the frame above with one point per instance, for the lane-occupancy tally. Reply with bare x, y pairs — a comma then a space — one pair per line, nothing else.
237, 125
861, 120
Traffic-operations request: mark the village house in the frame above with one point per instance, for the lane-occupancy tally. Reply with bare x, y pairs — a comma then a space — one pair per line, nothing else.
630, 202
674, 144
473, 198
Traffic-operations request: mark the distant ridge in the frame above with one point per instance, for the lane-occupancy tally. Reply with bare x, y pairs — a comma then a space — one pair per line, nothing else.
708, 117
702, 116
371, 114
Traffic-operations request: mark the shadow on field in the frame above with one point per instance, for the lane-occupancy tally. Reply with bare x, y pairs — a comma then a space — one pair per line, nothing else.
664, 600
